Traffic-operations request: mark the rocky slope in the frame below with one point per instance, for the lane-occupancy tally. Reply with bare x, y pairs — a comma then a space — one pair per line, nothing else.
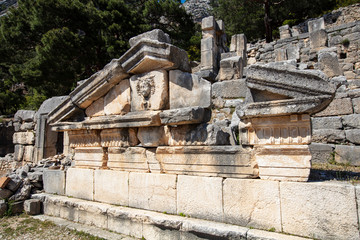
198, 9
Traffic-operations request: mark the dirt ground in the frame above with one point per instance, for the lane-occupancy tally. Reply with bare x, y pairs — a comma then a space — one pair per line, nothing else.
23, 227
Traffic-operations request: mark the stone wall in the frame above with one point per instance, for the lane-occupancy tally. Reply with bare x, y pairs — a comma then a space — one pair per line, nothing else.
6, 133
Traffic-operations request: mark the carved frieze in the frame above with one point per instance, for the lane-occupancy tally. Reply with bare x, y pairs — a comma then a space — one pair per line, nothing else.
121, 137
84, 138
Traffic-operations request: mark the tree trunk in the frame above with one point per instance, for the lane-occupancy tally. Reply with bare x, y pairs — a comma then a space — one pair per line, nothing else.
267, 21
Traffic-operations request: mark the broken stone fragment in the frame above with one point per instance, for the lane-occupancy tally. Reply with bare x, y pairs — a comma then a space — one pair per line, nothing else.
149, 91
23, 192
155, 34
230, 68
5, 193
329, 64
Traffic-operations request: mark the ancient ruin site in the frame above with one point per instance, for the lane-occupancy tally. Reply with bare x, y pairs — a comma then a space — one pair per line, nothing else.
256, 141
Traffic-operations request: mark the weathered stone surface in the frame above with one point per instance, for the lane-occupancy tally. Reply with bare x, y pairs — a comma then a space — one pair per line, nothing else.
328, 135
318, 39
338, 106
28, 153
96, 108
255, 234
48, 105
351, 121
14, 184
89, 157
293, 52
316, 25
347, 154
3, 207
321, 153
206, 203
149, 91
252, 203
353, 135
4, 181
23, 191
80, 183
305, 213
208, 23
117, 100
111, 187
153, 136
229, 89
132, 119
54, 181
284, 32
32, 206
187, 90
27, 126
92, 214
23, 138
356, 104
326, 123
224, 161
19, 152
24, 115
128, 159
284, 162
18, 207
119, 137
230, 68
280, 55
238, 45
329, 64
155, 34
182, 116
148, 55
153, 191
5, 193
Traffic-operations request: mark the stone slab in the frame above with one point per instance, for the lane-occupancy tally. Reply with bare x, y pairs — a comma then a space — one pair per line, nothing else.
313, 209
321, 153
318, 39
153, 136
19, 152
80, 183
127, 159
206, 203
328, 135
356, 104
353, 135
153, 191
180, 116
326, 123
24, 138
24, 115
252, 203
155, 34
338, 106
329, 64
117, 100
32, 206
351, 121
96, 108
347, 154
224, 161
5, 193
89, 157
54, 181
29, 153
229, 89
231, 68
111, 187
188, 90
255, 234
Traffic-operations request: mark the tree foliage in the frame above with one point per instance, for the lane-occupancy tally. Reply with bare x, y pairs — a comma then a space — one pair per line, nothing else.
46, 46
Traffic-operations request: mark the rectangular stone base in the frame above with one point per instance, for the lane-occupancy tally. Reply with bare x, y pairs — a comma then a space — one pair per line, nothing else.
284, 162
222, 161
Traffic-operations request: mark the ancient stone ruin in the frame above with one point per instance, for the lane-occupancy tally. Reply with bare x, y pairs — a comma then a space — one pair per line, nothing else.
227, 145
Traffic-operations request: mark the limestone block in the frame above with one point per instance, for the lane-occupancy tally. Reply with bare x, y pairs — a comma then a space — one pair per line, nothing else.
188, 135
329, 64
188, 115
117, 100
29, 153
120, 221
27, 126
351, 121
3, 207
326, 123
208, 59
153, 136
254, 234
4, 181
18, 207
32, 206
5, 193
230, 68
128, 159
284, 32
208, 23
84, 138
316, 25
224, 161
96, 108
280, 55
151, 231
155, 34
353, 135
187, 90
54, 181
238, 45
19, 152
283, 162
318, 39
24, 138
229, 89
328, 135
89, 157
252, 203
347, 154
111, 187
148, 55
313, 209
119, 137
293, 52
338, 106
151, 191
356, 105
149, 91
92, 213
24, 115
80, 183
321, 153
206, 203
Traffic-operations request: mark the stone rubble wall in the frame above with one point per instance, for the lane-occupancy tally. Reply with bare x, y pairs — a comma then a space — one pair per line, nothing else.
6, 133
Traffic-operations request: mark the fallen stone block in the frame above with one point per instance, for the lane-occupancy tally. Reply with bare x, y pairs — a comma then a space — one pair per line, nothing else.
17, 207
3, 207
32, 206
329, 64
23, 192
14, 184
155, 34
4, 181
5, 193
230, 68
229, 89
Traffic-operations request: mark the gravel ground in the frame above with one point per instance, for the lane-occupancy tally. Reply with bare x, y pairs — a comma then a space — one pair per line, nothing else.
23, 227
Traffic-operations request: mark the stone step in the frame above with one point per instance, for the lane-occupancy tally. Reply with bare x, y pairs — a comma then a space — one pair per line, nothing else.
145, 224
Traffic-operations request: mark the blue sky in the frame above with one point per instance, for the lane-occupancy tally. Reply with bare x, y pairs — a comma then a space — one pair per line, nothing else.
182, 1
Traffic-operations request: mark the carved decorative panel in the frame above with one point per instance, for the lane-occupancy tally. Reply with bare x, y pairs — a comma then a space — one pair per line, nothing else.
84, 138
